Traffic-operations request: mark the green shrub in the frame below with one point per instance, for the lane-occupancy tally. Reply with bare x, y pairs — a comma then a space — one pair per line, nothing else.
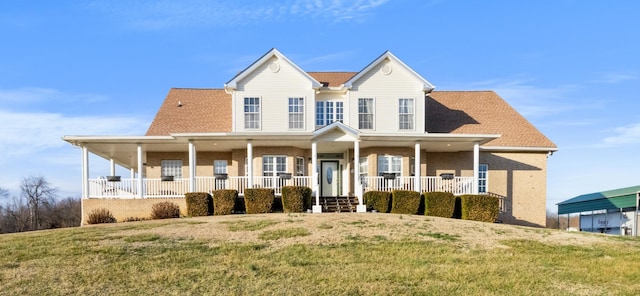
258, 200
165, 210
296, 199
101, 215
224, 201
199, 204
480, 207
439, 204
378, 200
405, 202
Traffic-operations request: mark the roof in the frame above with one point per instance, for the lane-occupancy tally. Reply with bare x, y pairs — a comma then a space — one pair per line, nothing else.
193, 111
610, 199
332, 79
426, 85
482, 112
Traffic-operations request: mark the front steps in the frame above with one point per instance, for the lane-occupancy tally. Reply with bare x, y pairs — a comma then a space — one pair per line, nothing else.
339, 204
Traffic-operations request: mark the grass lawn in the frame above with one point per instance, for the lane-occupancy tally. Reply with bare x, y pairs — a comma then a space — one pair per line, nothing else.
321, 254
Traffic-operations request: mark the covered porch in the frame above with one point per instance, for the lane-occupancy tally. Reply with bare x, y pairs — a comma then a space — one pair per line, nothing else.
334, 160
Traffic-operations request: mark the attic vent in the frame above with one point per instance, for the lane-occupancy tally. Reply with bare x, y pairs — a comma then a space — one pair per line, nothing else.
386, 69
274, 67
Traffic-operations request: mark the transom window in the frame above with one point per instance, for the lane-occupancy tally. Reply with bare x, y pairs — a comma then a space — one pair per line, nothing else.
328, 112
405, 114
390, 164
365, 113
252, 113
171, 167
483, 171
296, 113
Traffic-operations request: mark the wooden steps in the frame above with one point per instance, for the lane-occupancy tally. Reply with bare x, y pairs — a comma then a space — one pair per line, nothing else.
338, 204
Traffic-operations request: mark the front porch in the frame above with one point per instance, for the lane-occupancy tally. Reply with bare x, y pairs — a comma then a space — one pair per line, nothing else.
176, 188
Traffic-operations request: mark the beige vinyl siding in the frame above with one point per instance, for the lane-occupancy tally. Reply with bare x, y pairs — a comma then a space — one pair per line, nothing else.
274, 90
386, 90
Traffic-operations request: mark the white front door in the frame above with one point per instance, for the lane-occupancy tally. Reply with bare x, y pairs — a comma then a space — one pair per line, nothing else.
329, 175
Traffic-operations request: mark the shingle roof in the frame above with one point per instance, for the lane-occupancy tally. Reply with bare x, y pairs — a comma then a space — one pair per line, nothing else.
332, 78
481, 112
201, 111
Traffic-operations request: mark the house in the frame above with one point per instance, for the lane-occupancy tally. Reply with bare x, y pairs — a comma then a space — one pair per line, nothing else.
612, 211
339, 133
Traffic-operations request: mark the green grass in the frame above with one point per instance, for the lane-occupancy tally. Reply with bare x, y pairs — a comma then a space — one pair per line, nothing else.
132, 259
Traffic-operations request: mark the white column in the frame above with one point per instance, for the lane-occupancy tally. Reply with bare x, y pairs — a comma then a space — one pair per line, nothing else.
85, 172
140, 184
314, 177
476, 167
133, 174
250, 164
416, 169
112, 164
361, 207
192, 167
634, 231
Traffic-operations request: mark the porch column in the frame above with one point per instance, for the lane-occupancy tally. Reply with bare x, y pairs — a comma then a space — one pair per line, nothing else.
361, 207
112, 164
416, 169
249, 164
192, 167
140, 184
314, 176
133, 173
85, 172
476, 167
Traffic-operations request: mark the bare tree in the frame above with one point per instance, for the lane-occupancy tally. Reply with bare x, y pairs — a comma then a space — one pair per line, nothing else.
38, 193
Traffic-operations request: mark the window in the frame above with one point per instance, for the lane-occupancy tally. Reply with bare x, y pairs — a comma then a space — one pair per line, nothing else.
219, 167
272, 165
365, 113
328, 112
405, 114
364, 166
299, 166
252, 113
296, 113
171, 167
483, 170
390, 164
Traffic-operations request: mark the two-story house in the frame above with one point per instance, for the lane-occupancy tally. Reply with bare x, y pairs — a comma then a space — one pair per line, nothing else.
339, 133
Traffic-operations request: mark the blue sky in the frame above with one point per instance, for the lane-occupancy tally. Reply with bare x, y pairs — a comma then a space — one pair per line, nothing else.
104, 67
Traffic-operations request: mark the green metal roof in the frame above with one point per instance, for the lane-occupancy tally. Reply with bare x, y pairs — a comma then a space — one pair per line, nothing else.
605, 200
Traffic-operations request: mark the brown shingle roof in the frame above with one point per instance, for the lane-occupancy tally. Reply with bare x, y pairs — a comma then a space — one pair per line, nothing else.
201, 111
481, 112
332, 78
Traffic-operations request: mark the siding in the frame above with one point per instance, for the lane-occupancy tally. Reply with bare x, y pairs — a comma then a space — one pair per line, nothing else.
274, 89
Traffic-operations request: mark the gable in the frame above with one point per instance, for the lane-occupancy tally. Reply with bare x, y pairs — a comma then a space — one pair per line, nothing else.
387, 65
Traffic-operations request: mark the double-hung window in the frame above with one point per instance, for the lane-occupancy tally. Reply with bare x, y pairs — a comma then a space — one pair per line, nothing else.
365, 113
171, 167
390, 164
299, 166
219, 167
328, 112
483, 170
252, 113
271, 166
405, 114
296, 113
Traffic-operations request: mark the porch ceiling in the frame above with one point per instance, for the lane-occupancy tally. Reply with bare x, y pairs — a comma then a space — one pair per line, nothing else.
123, 149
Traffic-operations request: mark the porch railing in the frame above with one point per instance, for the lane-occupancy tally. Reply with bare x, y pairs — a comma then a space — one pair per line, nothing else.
457, 185
156, 188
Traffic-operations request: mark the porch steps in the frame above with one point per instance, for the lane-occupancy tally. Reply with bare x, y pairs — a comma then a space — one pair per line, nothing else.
338, 204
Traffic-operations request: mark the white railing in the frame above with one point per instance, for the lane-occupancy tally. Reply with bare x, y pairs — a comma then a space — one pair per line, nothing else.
457, 185
156, 188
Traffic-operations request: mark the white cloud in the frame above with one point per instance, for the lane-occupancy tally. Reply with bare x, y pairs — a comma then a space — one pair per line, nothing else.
153, 15
629, 134
615, 78
31, 95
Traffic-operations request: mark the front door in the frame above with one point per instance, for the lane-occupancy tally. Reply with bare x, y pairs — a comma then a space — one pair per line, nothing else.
329, 175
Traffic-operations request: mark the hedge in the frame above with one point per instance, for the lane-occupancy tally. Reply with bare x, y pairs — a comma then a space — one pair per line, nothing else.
224, 201
258, 200
296, 199
378, 200
199, 204
480, 207
439, 204
405, 202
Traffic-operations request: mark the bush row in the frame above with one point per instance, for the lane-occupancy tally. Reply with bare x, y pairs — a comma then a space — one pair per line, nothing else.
439, 204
